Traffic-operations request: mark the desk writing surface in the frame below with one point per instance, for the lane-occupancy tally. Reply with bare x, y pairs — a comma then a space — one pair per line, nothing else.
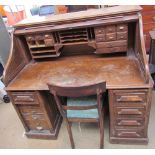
118, 72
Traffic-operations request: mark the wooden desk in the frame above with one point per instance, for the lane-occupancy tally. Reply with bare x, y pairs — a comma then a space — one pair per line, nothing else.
77, 49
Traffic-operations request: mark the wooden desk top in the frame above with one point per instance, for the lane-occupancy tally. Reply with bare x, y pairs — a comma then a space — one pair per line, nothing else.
118, 72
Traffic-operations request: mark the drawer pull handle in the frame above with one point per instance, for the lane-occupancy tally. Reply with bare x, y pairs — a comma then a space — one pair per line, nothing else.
129, 99
129, 122
39, 128
154, 7
24, 98
121, 27
129, 111
111, 37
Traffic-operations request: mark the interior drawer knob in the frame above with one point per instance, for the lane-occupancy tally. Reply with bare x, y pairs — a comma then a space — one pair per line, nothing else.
47, 36
121, 27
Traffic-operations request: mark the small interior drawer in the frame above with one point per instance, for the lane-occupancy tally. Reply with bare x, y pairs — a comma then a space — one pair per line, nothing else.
110, 29
111, 50
132, 133
122, 35
122, 28
24, 98
99, 30
111, 37
100, 38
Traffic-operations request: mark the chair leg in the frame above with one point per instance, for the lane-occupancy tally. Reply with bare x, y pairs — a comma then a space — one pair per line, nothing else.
101, 124
70, 134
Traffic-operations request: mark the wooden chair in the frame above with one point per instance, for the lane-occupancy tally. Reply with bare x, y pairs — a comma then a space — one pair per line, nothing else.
81, 109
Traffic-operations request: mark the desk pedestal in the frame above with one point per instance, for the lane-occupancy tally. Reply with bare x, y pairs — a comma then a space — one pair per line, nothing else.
129, 115
38, 113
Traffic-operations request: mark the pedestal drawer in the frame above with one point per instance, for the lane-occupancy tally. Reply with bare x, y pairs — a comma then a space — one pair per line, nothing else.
134, 133
24, 97
129, 122
130, 98
129, 112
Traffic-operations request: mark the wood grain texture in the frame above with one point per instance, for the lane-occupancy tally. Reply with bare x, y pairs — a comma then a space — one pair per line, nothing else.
76, 71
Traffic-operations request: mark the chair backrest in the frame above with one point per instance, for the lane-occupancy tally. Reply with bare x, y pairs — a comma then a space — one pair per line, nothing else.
80, 91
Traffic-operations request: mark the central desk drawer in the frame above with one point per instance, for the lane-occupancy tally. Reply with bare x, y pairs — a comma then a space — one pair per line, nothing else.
24, 97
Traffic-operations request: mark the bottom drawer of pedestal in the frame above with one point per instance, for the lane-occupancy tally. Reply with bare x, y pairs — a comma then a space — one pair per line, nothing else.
135, 133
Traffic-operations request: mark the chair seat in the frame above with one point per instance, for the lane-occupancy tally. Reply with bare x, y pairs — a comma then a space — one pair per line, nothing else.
83, 101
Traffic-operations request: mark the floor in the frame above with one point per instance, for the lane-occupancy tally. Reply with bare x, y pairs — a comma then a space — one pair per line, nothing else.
85, 135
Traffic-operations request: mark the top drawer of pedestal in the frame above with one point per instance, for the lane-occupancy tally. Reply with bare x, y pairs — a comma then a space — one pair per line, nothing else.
130, 97
24, 97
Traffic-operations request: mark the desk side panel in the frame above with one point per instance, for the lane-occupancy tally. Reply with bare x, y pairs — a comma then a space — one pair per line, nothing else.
16, 61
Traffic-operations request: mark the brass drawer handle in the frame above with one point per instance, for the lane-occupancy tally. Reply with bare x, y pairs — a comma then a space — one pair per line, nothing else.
153, 6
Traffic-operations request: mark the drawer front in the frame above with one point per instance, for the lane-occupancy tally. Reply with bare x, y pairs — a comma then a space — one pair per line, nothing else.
126, 112
37, 124
130, 98
33, 117
112, 44
110, 29
99, 30
111, 50
111, 37
122, 28
122, 35
130, 123
24, 98
100, 38
49, 42
129, 133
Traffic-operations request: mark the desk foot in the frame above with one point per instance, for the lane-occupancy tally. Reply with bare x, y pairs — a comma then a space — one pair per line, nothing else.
46, 134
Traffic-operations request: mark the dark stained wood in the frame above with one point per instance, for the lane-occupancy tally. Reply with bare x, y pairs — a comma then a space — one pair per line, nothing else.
77, 49
95, 89
76, 71
40, 119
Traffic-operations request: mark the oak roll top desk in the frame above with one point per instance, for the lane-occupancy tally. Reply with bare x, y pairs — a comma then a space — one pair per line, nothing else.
76, 49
